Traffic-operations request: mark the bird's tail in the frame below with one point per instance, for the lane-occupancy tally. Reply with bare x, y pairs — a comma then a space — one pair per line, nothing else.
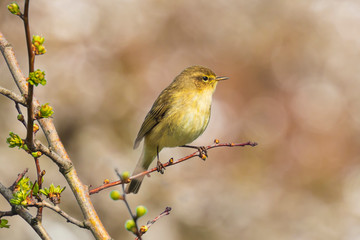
147, 156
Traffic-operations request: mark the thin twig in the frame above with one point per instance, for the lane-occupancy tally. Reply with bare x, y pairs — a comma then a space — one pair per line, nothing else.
13, 96
171, 163
30, 94
20, 176
37, 226
39, 180
7, 213
137, 233
38, 171
9, 54
62, 163
150, 223
22, 120
58, 210
30, 98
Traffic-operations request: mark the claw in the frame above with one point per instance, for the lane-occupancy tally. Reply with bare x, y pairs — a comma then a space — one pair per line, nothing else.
202, 151
160, 167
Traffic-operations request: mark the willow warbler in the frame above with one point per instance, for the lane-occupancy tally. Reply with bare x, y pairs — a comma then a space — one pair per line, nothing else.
179, 115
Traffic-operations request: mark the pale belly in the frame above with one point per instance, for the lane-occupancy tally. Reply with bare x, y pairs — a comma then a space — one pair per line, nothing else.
182, 124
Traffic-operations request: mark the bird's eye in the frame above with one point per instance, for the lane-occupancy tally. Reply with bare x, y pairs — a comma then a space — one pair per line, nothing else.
205, 78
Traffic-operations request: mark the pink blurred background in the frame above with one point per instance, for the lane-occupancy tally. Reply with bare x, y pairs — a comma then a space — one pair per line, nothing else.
293, 88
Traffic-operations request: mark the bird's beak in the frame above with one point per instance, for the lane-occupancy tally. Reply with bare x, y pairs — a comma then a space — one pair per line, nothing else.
221, 78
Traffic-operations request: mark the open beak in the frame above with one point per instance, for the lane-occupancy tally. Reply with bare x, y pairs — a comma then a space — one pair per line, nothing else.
221, 78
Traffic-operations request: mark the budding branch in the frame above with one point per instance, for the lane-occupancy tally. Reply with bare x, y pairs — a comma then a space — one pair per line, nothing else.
171, 163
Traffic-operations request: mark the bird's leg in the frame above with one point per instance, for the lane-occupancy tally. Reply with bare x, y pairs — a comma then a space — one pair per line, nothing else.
160, 167
202, 150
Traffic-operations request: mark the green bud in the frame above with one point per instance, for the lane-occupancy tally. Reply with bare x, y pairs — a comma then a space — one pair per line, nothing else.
35, 189
25, 147
45, 111
37, 77
40, 50
53, 193
14, 201
24, 203
20, 117
140, 211
38, 39
37, 42
14, 141
116, 195
4, 223
36, 154
130, 225
144, 228
36, 128
125, 176
22, 192
14, 8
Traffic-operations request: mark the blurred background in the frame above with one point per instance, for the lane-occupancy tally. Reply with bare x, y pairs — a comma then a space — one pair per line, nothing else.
293, 88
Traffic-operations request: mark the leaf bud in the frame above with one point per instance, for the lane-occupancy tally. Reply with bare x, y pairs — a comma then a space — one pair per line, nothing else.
116, 195
130, 225
140, 211
125, 176
14, 8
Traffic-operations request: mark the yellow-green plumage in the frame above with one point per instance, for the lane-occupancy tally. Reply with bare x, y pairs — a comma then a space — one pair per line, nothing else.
179, 115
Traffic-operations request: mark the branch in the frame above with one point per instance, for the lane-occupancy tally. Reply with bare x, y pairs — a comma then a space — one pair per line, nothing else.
7, 214
30, 93
39, 181
171, 162
134, 218
13, 96
9, 55
21, 119
20, 176
79, 190
58, 210
63, 164
150, 223
22, 212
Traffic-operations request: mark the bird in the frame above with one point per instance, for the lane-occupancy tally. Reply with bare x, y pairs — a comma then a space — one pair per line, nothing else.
178, 116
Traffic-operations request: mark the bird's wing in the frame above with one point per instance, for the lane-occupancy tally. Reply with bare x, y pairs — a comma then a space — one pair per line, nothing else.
155, 115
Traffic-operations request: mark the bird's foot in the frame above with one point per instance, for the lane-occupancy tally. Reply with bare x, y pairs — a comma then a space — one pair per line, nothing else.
160, 167
202, 151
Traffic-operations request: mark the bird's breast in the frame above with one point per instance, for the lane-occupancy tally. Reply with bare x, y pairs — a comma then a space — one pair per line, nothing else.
186, 119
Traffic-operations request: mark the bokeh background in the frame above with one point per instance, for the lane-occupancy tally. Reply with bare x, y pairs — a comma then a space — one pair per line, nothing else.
294, 89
